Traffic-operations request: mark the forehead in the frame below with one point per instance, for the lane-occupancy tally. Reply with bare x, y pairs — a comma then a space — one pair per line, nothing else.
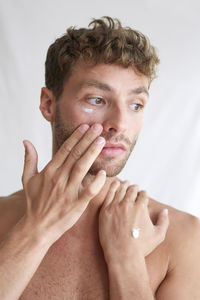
108, 77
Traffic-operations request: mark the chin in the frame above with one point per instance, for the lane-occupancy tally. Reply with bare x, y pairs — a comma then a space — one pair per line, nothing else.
111, 167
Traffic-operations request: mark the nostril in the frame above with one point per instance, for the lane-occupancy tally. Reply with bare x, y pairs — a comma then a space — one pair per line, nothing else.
111, 129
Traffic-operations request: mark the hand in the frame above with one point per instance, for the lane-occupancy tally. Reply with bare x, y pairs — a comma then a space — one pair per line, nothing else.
123, 209
56, 197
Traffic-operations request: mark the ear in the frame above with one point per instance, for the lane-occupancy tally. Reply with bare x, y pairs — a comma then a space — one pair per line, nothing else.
47, 104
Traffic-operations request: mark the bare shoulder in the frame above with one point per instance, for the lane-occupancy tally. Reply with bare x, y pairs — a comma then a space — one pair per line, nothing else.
12, 208
183, 236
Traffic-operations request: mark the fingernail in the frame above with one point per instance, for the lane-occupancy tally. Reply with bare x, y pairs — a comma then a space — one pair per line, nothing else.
165, 211
100, 140
96, 127
117, 183
25, 147
103, 172
83, 128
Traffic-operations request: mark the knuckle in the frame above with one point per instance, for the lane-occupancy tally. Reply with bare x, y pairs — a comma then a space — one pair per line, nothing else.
143, 194
48, 172
90, 192
93, 149
27, 160
127, 200
65, 149
58, 181
135, 187
125, 184
79, 167
142, 204
107, 210
89, 139
55, 181
131, 188
161, 236
57, 189
76, 153
130, 192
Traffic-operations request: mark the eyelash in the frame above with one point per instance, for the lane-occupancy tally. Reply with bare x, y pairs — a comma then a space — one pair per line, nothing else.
99, 98
140, 106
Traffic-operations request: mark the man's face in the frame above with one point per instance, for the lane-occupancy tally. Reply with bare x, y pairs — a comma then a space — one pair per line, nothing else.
111, 95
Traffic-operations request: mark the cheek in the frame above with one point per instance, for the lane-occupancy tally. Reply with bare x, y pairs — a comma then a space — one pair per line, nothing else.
86, 110
135, 126
139, 120
84, 115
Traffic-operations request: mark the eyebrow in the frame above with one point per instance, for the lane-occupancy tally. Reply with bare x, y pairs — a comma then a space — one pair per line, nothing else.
97, 84
139, 90
105, 87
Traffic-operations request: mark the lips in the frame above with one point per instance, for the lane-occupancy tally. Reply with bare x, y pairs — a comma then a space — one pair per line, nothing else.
114, 145
112, 149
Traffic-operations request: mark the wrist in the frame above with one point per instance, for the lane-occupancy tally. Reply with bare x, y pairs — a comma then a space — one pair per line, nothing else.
129, 278
33, 233
137, 264
132, 257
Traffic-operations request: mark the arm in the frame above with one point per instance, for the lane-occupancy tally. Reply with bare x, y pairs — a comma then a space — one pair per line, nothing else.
55, 201
128, 279
183, 279
123, 209
20, 255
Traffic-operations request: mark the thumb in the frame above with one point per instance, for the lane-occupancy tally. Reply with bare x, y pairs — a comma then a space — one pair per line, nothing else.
162, 223
30, 162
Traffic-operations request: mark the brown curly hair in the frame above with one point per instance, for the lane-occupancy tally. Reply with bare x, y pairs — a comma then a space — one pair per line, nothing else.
105, 41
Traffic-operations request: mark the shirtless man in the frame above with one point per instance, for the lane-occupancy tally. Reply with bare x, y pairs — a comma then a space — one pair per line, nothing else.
75, 231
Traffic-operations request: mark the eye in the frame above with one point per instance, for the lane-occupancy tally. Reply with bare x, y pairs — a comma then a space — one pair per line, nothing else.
136, 106
95, 100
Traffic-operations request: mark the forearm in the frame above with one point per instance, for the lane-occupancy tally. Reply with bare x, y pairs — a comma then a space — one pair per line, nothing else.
128, 279
21, 252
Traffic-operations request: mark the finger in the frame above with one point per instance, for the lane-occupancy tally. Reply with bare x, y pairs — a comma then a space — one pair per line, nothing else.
66, 148
131, 193
83, 165
162, 223
121, 192
142, 198
81, 147
30, 162
91, 190
111, 193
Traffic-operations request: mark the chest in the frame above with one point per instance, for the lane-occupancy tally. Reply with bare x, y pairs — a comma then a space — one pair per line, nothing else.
80, 275
70, 273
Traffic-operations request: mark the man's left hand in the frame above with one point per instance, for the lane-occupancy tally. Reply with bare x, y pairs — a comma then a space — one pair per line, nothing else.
123, 210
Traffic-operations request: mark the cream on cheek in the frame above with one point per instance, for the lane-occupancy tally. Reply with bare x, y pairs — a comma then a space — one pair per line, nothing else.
87, 110
89, 115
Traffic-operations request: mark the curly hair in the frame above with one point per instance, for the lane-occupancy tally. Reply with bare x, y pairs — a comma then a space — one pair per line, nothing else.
104, 41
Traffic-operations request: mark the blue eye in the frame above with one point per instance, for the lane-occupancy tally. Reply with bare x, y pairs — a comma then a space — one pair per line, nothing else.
136, 106
95, 100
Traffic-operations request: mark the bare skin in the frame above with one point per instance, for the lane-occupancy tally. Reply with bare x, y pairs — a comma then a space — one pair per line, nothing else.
67, 235
80, 272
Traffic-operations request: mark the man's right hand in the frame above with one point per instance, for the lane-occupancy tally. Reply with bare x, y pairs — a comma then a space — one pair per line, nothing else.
56, 197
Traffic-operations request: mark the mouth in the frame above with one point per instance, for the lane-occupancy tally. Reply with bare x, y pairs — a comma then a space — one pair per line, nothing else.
112, 150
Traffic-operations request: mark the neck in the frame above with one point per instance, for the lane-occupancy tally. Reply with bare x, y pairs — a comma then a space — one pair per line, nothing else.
86, 228
95, 204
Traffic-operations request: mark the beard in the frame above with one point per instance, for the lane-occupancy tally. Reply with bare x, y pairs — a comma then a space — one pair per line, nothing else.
112, 165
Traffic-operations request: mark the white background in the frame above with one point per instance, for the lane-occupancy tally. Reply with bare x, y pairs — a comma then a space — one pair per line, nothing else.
166, 160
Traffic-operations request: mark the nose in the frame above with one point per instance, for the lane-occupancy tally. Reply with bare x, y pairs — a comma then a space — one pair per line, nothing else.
115, 121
